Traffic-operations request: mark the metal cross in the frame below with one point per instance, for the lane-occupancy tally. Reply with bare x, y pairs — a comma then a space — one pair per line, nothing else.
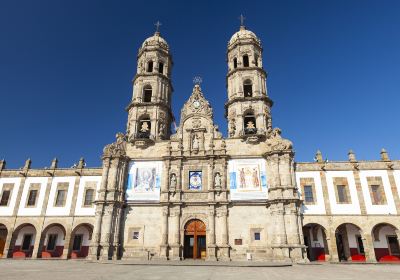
241, 18
197, 80
158, 24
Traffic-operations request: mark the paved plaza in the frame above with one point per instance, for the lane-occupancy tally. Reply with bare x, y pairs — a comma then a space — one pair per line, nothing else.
54, 270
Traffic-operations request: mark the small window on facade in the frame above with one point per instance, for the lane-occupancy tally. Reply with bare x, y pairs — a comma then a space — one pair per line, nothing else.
144, 128
32, 197
342, 193
135, 235
245, 61
89, 197
308, 194
5, 197
26, 243
147, 94
60, 198
51, 243
161, 68
150, 66
257, 236
250, 124
360, 245
235, 63
77, 242
238, 242
376, 194
247, 88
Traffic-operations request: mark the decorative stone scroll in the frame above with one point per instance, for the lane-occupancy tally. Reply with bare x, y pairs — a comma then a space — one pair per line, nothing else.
116, 149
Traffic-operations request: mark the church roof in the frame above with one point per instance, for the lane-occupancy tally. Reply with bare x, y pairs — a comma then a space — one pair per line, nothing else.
243, 34
156, 40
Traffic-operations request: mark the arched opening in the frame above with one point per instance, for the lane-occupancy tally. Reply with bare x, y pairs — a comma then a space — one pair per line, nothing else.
245, 60
349, 242
160, 67
81, 237
147, 93
256, 60
315, 240
3, 238
249, 121
150, 66
144, 128
52, 241
195, 240
235, 63
23, 241
386, 243
247, 88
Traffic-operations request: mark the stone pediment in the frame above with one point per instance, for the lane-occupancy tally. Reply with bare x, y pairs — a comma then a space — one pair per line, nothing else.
197, 115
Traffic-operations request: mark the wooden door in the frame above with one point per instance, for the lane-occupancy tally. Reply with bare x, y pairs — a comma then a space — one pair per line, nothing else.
195, 239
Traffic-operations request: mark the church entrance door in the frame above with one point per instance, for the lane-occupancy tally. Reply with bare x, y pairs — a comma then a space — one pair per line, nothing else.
195, 240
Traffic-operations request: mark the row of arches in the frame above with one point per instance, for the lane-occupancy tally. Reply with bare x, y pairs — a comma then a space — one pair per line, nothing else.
150, 67
245, 61
54, 241
350, 243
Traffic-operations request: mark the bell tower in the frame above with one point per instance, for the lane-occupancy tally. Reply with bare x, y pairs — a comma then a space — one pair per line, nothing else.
149, 113
248, 108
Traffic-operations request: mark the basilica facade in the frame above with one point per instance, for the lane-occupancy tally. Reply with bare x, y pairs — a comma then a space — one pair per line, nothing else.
193, 194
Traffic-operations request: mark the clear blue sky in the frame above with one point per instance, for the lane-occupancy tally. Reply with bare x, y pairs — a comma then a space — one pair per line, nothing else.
66, 69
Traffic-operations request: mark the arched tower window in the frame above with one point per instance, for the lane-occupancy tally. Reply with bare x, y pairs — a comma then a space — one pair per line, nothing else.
161, 68
144, 128
256, 60
235, 63
249, 121
245, 60
147, 93
247, 88
150, 66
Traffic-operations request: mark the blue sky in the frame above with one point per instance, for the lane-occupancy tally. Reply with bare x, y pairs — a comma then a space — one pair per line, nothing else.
66, 69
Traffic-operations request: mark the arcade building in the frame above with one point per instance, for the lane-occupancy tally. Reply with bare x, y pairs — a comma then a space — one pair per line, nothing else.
194, 194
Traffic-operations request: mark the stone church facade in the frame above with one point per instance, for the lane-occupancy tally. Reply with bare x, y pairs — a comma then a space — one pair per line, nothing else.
193, 194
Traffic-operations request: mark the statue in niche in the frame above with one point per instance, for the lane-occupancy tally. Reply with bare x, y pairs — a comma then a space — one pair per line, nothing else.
144, 127
217, 180
161, 128
172, 183
195, 143
232, 128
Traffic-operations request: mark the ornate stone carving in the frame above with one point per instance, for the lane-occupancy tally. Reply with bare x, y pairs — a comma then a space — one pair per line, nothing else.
195, 142
277, 143
196, 123
172, 184
232, 128
117, 148
217, 180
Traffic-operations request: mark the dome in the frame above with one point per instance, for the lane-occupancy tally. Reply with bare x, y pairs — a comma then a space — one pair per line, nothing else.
155, 40
243, 34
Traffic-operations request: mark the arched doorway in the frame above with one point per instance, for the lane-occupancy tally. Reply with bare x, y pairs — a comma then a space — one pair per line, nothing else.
81, 237
386, 243
349, 242
3, 237
315, 240
23, 241
52, 241
195, 240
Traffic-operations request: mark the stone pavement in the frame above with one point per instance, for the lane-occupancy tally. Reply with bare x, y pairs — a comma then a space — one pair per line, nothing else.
58, 269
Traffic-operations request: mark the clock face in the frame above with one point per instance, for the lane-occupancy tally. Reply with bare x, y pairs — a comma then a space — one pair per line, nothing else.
196, 104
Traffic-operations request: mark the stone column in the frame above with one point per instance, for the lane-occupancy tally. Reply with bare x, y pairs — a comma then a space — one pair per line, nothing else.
176, 246
223, 226
7, 250
368, 248
67, 243
332, 247
211, 252
39, 239
164, 234
106, 232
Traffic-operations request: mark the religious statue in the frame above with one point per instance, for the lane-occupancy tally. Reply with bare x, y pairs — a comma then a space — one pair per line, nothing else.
195, 144
161, 129
217, 180
172, 184
145, 127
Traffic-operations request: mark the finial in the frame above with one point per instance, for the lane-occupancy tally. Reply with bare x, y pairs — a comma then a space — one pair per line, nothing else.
384, 155
2, 164
197, 80
27, 164
81, 163
352, 156
241, 18
54, 163
157, 25
318, 156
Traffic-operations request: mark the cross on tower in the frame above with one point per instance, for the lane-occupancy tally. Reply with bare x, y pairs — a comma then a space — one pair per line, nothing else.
241, 18
158, 24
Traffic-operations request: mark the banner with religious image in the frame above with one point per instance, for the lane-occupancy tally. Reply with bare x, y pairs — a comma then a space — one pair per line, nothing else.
247, 179
144, 180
